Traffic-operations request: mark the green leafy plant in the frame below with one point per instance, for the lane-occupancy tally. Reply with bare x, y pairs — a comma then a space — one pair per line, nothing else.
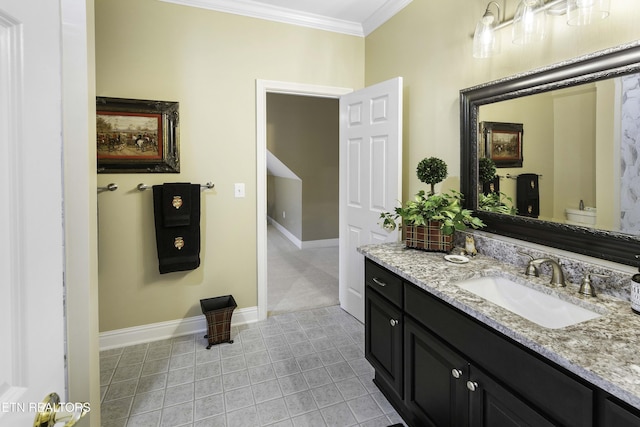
496, 202
445, 208
486, 170
431, 171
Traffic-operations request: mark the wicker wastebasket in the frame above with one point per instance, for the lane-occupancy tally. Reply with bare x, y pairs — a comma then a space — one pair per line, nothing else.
218, 312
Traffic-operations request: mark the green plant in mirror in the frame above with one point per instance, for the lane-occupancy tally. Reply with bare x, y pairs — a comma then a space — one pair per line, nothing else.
496, 202
486, 170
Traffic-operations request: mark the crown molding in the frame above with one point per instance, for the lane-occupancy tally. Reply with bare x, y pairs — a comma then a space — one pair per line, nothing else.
383, 14
289, 16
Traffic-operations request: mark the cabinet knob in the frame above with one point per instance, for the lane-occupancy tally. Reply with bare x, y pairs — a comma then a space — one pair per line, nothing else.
456, 373
393, 322
472, 385
379, 282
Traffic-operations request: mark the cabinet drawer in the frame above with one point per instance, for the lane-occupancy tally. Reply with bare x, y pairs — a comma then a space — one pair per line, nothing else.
567, 400
384, 282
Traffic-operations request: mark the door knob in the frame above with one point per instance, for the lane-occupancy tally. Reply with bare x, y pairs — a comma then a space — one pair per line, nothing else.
393, 322
52, 412
456, 373
472, 385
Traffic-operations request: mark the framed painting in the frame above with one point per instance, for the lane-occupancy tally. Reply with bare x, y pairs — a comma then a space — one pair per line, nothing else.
137, 136
503, 143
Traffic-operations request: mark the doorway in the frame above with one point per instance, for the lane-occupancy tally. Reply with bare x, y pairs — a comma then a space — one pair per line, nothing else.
302, 202
264, 87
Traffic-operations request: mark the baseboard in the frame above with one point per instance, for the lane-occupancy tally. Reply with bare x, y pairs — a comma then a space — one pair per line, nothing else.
308, 244
324, 243
172, 328
286, 233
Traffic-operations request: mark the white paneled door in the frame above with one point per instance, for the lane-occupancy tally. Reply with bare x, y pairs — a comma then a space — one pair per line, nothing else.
370, 179
31, 222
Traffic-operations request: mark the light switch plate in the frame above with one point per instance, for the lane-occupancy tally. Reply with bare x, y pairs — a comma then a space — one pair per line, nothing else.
238, 189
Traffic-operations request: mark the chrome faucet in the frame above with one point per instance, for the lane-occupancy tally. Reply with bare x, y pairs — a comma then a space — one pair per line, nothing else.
557, 276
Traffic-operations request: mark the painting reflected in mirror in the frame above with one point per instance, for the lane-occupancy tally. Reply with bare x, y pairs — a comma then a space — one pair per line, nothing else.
583, 144
575, 184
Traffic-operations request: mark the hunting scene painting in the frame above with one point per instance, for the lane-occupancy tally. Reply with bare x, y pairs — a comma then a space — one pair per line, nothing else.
503, 143
136, 136
128, 135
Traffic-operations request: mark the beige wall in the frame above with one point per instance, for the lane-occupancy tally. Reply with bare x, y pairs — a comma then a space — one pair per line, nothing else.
208, 62
284, 203
575, 132
302, 132
429, 44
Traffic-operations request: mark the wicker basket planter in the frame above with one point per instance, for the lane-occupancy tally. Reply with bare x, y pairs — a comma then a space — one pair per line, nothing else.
218, 312
427, 237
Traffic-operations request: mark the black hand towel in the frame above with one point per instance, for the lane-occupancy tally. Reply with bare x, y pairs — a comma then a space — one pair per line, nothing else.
528, 195
178, 246
176, 204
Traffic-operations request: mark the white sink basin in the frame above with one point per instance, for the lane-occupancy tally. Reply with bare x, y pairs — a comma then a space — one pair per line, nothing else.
546, 310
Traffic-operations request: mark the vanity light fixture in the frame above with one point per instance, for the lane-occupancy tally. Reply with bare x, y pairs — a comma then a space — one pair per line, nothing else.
485, 42
583, 12
529, 22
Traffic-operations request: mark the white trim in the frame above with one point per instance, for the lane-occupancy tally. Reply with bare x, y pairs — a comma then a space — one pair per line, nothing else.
324, 243
276, 13
256, 9
382, 15
308, 244
172, 328
286, 233
262, 88
13, 255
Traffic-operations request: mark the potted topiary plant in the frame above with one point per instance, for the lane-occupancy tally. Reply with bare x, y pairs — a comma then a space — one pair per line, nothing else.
487, 175
431, 171
429, 220
491, 199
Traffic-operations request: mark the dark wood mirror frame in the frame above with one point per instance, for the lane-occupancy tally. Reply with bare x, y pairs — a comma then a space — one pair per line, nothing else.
612, 246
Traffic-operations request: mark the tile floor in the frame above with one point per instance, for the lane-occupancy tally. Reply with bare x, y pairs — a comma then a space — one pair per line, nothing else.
296, 369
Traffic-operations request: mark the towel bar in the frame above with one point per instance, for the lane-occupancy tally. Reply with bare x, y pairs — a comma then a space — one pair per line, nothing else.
512, 176
208, 186
110, 187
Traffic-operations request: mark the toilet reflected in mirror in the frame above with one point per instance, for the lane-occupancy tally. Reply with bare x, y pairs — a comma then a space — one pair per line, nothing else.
585, 217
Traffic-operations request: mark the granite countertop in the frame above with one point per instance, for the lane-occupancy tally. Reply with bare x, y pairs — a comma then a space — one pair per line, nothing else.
604, 351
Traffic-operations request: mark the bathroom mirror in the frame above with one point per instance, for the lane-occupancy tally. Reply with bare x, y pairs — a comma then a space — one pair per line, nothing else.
560, 150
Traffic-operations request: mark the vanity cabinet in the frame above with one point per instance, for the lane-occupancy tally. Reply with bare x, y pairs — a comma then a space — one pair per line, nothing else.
444, 389
503, 369
458, 371
383, 334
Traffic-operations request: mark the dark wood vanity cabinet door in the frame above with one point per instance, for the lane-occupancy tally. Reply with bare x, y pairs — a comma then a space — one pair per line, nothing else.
491, 405
383, 340
614, 414
435, 380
